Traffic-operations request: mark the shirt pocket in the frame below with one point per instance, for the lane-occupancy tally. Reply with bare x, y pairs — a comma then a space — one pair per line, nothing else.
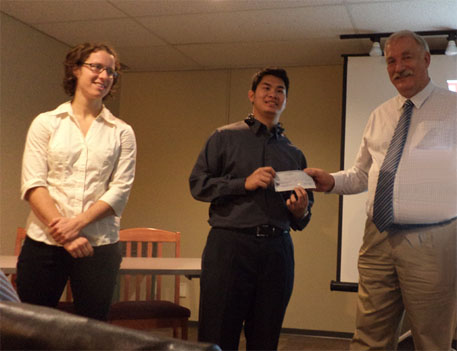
433, 135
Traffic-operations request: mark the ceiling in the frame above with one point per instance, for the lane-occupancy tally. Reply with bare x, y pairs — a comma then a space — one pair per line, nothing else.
161, 35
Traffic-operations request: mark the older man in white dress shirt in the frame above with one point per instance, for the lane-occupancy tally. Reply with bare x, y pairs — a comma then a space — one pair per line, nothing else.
407, 262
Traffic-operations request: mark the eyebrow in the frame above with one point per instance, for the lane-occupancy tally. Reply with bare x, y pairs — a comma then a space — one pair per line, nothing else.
270, 85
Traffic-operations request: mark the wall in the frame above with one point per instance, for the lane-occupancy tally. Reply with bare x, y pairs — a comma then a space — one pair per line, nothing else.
31, 72
173, 113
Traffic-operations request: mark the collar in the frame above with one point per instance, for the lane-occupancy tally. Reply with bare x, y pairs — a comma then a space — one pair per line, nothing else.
259, 128
65, 109
418, 99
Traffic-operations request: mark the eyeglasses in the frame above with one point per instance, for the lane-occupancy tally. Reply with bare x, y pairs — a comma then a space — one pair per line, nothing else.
99, 68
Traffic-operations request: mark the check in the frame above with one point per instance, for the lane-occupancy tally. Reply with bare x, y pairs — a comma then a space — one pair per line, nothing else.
288, 180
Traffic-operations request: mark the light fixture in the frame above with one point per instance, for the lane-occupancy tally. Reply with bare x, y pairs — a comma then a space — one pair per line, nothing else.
376, 48
451, 47
376, 37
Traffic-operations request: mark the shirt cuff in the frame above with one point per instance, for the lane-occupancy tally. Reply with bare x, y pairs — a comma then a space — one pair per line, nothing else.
34, 183
116, 202
300, 224
338, 184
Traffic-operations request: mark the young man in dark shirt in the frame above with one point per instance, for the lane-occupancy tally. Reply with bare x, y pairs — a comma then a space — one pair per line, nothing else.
248, 263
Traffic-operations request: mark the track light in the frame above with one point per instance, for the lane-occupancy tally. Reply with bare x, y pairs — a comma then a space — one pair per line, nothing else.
451, 47
376, 48
376, 37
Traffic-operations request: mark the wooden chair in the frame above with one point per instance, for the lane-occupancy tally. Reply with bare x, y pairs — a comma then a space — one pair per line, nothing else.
67, 303
149, 312
20, 237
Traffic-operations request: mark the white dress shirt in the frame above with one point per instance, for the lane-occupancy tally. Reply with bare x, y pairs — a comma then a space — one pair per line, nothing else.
425, 189
79, 170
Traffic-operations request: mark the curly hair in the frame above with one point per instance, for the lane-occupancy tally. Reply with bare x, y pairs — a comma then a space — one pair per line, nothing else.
77, 56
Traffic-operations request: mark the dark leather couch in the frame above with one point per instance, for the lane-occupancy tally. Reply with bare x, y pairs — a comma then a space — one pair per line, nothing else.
29, 327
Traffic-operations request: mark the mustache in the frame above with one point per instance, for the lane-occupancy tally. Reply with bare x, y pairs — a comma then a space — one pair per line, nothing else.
403, 74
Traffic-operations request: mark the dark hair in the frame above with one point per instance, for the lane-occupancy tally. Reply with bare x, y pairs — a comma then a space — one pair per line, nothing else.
77, 56
270, 71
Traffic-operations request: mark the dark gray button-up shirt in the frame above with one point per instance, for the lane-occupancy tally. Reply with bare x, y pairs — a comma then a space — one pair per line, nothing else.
229, 156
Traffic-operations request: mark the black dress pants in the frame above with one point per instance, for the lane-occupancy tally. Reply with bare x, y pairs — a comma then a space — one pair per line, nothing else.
43, 271
246, 281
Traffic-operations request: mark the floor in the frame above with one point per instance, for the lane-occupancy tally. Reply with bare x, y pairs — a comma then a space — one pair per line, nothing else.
289, 342
296, 342
304, 342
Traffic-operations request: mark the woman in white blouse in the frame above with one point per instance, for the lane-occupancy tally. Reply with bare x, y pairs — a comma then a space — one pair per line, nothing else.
78, 169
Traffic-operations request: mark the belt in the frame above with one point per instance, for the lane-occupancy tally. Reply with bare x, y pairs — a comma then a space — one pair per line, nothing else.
261, 231
396, 226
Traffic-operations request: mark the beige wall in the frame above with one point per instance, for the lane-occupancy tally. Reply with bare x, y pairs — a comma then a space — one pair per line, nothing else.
31, 71
172, 114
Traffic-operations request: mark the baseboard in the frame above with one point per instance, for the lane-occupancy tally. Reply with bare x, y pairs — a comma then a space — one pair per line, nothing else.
317, 333
307, 332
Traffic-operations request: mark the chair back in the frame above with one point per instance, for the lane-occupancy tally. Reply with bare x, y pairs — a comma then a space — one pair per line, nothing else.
20, 237
148, 242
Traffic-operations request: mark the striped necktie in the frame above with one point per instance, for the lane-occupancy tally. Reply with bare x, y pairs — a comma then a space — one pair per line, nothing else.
383, 212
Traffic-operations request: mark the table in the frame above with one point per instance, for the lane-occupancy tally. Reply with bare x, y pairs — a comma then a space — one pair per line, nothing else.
8, 264
190, 267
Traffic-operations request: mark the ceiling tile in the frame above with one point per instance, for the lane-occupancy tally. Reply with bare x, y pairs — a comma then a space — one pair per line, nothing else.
370, 1
284, 24
119, 32
176, 7
155, 58
303, 52
45, 11
416, 15
194, 34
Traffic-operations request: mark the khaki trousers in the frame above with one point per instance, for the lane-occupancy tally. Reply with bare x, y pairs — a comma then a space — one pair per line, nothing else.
413, 270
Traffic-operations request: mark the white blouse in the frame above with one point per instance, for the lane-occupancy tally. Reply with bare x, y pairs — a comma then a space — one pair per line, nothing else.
79, 170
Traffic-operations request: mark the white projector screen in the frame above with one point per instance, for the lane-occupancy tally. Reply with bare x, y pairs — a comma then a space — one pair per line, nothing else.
367, 85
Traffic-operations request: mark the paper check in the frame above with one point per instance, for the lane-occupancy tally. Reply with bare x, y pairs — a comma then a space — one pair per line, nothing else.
288, 180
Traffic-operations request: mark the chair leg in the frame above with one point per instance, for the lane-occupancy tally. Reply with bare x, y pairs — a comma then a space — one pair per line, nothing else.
175, 332
184, 330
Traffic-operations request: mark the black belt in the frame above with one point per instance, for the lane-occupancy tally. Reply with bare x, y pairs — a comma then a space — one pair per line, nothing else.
261, 231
